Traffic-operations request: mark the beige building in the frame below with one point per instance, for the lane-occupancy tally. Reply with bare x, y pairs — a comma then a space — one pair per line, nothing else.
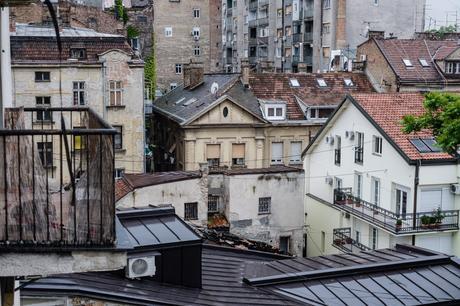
185, 31
257, 121
97, 70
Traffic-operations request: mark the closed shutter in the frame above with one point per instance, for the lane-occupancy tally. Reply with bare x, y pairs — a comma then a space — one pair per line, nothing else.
277, 152
296, 150
213, 151
238, 151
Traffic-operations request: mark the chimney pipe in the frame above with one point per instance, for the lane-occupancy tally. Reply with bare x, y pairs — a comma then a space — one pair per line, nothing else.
245, 69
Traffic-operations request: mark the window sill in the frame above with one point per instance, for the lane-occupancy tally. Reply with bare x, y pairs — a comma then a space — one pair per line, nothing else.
40, 122
116, 106
295, 163
42, 81
264, 213
120, 151
377, 154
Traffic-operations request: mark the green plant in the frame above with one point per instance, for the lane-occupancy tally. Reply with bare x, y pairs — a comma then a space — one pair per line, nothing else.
443, 30
132, 32
438, 215
150, 73
398, 222
425, 219
433, 220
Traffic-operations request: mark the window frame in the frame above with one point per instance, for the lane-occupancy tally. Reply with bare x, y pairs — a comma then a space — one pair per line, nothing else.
196, 13
117, 92
264, 207
277, 161
298, 160
46, 115
45, 152
213, 200
191, 208
80, 92
42, 79
377, 144
275, 108
119, 134
178, 68
168, 31
196, 50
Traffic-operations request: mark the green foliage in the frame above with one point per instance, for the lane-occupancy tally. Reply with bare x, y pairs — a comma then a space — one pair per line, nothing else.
442, 116
150, 73
132, 32
442, 31
125, 15
121, 12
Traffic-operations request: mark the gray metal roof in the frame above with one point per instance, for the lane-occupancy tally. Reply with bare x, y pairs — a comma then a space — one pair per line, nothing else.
47, 31
182, 105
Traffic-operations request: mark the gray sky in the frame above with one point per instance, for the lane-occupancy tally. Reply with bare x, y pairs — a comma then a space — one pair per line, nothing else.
437, 10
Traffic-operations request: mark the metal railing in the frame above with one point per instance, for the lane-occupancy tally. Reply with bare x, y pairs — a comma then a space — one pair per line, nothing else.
297, 37
342, 240
308, 36
56, 179
396, 223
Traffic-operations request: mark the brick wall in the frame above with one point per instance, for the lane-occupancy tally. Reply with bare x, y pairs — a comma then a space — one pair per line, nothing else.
142, 19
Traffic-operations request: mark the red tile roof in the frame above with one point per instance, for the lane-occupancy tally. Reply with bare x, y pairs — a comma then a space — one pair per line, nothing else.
276, 86
387, 110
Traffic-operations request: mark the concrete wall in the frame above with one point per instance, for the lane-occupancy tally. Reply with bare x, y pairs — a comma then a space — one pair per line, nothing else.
130, 116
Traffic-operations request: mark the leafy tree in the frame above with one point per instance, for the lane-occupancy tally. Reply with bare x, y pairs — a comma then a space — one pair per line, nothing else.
132, 32
442, 116
121, 13
442, 31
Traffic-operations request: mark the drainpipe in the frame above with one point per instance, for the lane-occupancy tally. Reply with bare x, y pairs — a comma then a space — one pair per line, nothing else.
6, 83
416, 182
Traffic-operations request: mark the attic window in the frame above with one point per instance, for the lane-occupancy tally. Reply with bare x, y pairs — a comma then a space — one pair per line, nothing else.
275, 111
294, 83
407, 63
425, 145
423, 62
78, 53
190, 101
180, 100
348, 82
321, 82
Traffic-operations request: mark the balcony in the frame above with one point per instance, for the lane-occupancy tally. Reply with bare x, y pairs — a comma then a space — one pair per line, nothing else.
263, 3
56, 179
295, 59
398, 224
342, 241
308, 36
297, 38
253, 5
262, 21
263, 41
307, 13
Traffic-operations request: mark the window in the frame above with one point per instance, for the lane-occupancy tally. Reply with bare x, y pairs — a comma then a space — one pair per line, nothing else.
78, 53
294, 83
326, 4
275, 112
338, 183
119, 172
196, 32
265, 205
358, 185
213, 155
423, 62
288, 52
279, 13
44, 115
196, 13
42, 76
326, 28
321, 82
288, 10
116, 93
79, 93
238, 154
401, 202
359, 148
373, 238
319, 113
323, 241
196, 51
376, 2
118, 137
213, 203
296, 151
277, 153
172, 86
425, 145
263, 32
284, 244
407, 63
45, 151
191, 211
288, 31
168, 32
375, 192
449, 67
377, 145
278, 52
135, 43
348, 82
79, 141
178, 68
358, 236
338, 150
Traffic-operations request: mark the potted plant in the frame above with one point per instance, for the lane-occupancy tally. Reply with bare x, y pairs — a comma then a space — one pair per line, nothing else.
398, 224
439, 216
433, 220
338, 241
348, 240
425, 220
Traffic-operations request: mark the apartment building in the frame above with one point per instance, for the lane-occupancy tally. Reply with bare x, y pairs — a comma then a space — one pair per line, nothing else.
310, 35
185, 31
96, 70
370, 186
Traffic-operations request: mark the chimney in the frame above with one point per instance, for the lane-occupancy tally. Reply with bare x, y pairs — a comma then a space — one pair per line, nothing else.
376, 34
193, 75
245, 69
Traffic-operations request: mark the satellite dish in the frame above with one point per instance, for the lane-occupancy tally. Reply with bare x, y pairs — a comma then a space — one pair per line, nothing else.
214, 88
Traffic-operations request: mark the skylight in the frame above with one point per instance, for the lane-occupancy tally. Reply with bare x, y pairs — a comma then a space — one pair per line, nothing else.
425, 145
180, 100
423, 62
190, 101
407, 62
294, 82
348, 82
321, 82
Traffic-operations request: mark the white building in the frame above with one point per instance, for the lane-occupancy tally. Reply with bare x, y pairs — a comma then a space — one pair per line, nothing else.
391, 183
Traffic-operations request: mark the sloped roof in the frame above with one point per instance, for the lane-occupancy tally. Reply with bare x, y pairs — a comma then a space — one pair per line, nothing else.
175, 103
276, 86
387, 111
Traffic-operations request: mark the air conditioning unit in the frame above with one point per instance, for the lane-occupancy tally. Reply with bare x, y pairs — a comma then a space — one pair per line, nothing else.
330, 139
140, 267
350, 135
455, 188
329, 180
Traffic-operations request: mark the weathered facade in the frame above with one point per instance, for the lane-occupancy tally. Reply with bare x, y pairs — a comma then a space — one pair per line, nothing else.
185, 31
97, 70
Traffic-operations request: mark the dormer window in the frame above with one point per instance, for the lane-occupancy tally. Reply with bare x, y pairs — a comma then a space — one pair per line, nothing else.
79, 53
407, 63
423, 62
321, 82
275, 111
319, 112
348, 82
452, 67
294, 83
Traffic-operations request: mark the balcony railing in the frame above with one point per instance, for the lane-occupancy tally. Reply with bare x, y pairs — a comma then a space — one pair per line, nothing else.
56, 179
297, 37
342, 240
308, 36
441, 220
337, 156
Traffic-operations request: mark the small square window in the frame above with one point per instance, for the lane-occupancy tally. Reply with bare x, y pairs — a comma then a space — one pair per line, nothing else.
172, 86
119, 172
294, 83
196, 13
191, 211
423, 62
321, 82
44, 115
168, 32
407, 63
377, 145
178, 68
348, 82
42, 76
265, 205
118, 137
78, 53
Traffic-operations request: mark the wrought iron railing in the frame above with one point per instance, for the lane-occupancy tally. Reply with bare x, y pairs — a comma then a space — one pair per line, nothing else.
396, 223
56, 179
343, 241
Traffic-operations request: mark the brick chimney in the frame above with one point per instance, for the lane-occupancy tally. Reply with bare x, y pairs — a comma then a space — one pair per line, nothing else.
245, 70
193, 75
376, 34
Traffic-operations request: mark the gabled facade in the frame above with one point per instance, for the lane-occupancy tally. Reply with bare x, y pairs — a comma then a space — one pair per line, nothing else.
370, 186
408, 65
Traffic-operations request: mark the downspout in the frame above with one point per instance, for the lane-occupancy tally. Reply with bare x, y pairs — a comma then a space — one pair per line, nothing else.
6, 82
416, 183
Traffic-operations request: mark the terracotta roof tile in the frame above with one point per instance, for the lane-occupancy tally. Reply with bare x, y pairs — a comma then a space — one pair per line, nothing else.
276, 86
387, 110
